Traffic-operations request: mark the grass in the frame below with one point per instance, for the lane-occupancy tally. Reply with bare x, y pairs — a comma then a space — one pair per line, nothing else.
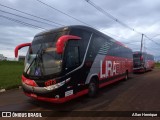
10, 74
157, 65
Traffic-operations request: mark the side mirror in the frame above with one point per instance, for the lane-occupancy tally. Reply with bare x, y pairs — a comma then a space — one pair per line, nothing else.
19, 47
62, 40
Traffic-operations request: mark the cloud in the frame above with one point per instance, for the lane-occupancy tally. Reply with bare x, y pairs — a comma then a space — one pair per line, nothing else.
142, 15
10, 37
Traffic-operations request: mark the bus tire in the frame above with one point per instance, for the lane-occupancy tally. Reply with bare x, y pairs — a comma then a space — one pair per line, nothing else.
93, 88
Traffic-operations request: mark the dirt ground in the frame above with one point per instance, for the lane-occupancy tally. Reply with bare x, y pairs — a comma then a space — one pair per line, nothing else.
140, 93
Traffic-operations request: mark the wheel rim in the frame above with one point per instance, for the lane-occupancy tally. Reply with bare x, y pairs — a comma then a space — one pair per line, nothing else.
92, 88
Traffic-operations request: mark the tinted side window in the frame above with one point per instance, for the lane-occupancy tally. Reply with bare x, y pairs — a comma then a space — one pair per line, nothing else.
72, 57
83, 42
95, 45
126, 53
114, 50
120, 51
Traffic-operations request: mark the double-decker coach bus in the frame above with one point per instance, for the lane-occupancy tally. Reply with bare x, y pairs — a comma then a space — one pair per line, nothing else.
68, 62
142, 61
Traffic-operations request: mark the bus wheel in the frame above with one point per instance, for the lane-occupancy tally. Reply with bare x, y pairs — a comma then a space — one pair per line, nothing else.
93, 88
126, 75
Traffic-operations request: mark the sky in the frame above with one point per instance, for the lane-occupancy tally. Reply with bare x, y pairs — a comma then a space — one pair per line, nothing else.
141, 15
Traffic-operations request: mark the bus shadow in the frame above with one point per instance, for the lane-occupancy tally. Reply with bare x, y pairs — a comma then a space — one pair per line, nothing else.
139, 73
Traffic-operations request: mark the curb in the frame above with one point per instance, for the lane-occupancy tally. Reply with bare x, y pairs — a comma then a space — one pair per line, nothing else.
4, 90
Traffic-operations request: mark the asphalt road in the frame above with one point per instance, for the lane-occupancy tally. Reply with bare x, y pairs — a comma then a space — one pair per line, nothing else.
140, 93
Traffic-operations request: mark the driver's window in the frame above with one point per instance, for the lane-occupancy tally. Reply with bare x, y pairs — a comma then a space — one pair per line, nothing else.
72, 58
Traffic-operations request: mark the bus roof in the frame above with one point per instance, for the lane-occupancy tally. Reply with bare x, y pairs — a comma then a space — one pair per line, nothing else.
67, 28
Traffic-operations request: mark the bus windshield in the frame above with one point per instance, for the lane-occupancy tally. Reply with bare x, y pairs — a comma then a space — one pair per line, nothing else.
42, 58
136, 58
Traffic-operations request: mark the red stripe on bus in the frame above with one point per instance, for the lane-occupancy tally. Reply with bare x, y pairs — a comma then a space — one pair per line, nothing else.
57, 100
110, 82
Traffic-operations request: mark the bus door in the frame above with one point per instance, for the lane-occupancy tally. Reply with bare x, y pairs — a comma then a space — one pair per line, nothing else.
72, 62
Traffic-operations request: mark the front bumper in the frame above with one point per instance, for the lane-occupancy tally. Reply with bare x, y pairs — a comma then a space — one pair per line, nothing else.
57, 100
139, 69
33, 89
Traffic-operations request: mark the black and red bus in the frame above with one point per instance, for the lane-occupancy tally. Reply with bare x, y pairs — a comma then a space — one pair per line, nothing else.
142, 61
68, 62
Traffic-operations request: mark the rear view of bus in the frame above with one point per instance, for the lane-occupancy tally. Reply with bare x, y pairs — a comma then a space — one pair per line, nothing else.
142, 62
68, 62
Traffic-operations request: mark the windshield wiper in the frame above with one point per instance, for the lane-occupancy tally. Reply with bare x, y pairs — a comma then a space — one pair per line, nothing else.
38, 54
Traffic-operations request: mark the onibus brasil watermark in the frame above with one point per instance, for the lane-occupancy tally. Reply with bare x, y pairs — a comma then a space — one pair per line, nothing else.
21, 114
